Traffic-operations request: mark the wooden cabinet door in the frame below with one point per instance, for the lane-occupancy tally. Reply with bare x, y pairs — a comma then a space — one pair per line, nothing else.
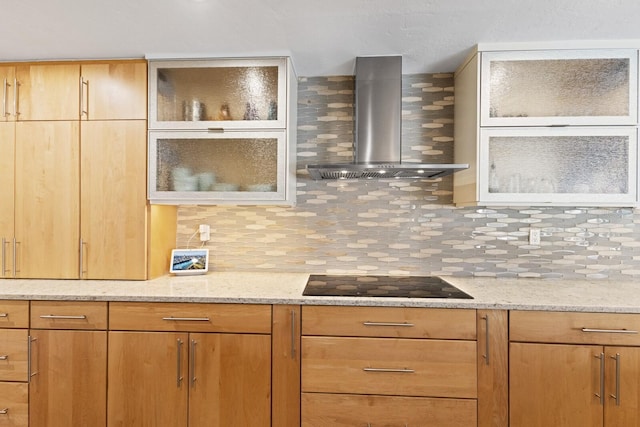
114, 90
7, 79
48, 91
148, 379
113, 200
230, 380
7, 161
623, 387
555, 385
14, 404
285, 358
68, 386
13, 355
47, 223
493, 368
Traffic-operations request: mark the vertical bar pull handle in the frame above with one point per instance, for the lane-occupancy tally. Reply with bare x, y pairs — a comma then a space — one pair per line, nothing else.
15, 247
30, 372
4, 98
15, 98
293, 334
82, 246
192, 363
179, 377
600, 393
617, 395
486, 338
83, 110
4, 261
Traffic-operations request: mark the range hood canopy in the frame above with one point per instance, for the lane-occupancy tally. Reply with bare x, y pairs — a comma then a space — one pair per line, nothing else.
377, 148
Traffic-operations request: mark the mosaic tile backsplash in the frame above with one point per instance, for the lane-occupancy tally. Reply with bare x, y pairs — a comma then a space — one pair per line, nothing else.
407, 227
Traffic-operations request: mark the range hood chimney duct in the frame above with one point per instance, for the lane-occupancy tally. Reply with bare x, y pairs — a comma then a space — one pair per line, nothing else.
378, 128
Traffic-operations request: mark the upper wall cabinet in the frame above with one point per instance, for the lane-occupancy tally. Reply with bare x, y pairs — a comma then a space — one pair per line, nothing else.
218, 94
559, 87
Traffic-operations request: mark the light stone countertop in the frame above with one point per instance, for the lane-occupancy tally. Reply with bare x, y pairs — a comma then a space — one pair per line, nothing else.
286, 288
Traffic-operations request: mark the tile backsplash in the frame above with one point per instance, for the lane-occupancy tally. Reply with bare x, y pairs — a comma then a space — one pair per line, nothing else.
402, 227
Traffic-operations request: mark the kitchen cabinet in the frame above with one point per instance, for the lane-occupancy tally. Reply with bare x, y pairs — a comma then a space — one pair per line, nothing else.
547, 127
9, 85
493, 368
366, 360
47, 91
7, 185
222, 131
14, 368
69, 359
285, 359
574, 369
211, 364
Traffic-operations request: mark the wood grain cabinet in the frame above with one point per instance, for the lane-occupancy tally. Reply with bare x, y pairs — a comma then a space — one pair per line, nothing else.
388, 366
189, 364
14, 369
574, 369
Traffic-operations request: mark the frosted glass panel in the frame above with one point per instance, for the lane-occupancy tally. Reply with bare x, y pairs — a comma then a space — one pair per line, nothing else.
559, 164
217, 165
567, 87
217, 94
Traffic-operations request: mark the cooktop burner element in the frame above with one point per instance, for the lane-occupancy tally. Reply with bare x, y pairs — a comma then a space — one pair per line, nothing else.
382, 286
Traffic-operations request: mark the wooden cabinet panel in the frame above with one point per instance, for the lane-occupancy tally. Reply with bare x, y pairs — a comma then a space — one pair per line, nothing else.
148, 379
622, 387
14, 314
7, 79
192, 317
113, 200
7, 148
114, 90
47, 201
13, 355
285, 361
68, 315
341, 410
14, 401
390, 322
68, 387
389, 366
229, 380
493, 368
48, 91
555, 385
579, 328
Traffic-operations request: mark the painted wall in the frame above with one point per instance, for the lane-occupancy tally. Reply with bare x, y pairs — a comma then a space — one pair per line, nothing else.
405, 227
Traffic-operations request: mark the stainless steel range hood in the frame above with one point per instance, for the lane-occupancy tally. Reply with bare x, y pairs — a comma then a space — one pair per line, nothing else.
377, 148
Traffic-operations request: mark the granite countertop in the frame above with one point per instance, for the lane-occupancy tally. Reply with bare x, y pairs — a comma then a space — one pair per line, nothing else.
286, 288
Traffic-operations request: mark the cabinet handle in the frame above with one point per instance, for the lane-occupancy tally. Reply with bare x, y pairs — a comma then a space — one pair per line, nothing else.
83, 83
293, 334
15, 247
610, 331
15, 98
4, 99
4, 357
215, 129
82, 246
179, 377
63, 317
617, 395
393, 370
4, 411
600, 394
186, 319
4, 314
192, 363
486, 344
403, 324
30, 372
4, 261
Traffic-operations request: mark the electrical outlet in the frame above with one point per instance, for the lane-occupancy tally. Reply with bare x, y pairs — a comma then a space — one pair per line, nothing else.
205, 232
534, 236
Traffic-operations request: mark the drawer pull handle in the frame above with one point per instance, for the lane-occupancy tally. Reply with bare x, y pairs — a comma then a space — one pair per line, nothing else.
393, 370
186, 319
405, 324
63, 317
215, 129
4, 411
4, 314
610, 331
4, 357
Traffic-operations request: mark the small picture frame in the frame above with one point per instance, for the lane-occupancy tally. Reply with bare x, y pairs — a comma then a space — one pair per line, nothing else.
189, 261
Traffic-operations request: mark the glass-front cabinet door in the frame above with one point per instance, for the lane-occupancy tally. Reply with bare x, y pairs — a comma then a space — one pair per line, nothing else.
573, 166
218, 94
187, 167
559, 87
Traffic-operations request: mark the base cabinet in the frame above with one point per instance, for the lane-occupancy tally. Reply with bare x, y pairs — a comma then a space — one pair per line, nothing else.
14, 404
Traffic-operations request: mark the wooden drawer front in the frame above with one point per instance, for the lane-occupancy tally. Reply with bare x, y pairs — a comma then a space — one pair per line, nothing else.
14, 314
237, 318
14, 400
336, 410
14, 345
387, 366
68, 315
574, 328
389, 322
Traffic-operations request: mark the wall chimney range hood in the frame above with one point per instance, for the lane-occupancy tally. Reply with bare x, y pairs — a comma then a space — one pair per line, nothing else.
378, 128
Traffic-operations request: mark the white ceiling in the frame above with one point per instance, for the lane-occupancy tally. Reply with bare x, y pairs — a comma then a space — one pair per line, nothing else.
322, 36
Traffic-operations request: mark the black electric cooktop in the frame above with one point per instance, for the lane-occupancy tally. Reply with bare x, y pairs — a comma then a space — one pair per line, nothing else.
382, 286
